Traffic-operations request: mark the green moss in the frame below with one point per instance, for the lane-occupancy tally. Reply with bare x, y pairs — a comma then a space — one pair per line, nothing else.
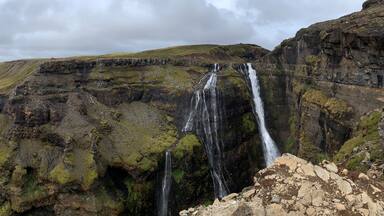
138, 195
337, 108
312, 60
178, 175
309, 151
186, 146
5, 209
368, 124
138, 138
32, 191
355, 163
90, 173
248, 123
61, 175
315, 97
113, 201
17, 175
290, 143
146, 164
5, 153
347, 148
365, 136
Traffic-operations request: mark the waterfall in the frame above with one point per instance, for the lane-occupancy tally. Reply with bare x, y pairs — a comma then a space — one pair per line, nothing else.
270, 149
165, 185
205, 114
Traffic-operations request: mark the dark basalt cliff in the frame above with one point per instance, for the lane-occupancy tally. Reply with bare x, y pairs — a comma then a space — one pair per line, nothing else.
330, 75
87, 136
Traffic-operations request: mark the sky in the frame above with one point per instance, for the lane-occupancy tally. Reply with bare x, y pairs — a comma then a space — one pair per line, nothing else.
59, 28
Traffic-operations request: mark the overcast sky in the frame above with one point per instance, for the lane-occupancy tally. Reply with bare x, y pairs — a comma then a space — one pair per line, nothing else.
54, 28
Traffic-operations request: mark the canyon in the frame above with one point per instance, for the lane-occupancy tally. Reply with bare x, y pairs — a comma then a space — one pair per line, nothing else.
119, 134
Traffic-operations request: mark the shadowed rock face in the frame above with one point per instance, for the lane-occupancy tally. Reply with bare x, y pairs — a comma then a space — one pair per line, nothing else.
292, 186
372, 3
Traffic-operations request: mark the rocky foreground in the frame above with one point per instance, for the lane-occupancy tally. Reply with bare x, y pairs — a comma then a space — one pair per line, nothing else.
292, 186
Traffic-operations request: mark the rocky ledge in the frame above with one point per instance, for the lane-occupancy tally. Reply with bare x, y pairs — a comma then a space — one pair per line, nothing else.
293, 186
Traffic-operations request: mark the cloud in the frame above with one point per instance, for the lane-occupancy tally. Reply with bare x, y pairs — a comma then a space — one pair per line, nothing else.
45, 28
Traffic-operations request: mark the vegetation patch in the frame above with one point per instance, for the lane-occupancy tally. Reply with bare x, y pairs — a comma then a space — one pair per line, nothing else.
5, 153
113, 202
315, 97
309, 151
336, 108
248, 123
61, 174
312, 60
13, 73
365, 136
185, 146
5, 209
178, 175
139, 194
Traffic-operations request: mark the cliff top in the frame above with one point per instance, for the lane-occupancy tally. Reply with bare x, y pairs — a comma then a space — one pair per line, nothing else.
13, 73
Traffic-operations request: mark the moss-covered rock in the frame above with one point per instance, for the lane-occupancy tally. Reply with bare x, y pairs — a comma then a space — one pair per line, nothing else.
248, 123
185, 146
61, 174
5, 209
365, 139
139, 196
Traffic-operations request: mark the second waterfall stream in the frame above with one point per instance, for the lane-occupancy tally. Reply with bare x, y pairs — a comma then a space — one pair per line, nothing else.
270, 149
204, 118
165, 185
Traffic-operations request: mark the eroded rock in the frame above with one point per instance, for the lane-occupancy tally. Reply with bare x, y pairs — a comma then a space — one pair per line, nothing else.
286, 189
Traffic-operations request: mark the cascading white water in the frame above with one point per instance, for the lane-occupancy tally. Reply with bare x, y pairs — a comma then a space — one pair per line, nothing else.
205, 114
165, 185
270, 149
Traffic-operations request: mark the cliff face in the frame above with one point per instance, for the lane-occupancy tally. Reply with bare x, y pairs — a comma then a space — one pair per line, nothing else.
87, 136
333, 74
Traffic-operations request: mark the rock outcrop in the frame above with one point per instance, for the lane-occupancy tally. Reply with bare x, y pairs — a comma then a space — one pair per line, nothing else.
293, 186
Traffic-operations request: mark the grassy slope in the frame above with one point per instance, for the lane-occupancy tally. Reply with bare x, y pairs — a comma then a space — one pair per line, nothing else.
12, 73
207, 52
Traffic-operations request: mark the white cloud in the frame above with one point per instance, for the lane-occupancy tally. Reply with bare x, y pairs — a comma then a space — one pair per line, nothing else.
45, 28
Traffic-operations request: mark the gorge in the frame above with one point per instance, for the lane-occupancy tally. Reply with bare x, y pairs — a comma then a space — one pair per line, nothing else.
161, 131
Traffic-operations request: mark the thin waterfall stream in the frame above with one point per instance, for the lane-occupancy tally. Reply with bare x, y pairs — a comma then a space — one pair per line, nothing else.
165, 185
270, 149
204, 118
